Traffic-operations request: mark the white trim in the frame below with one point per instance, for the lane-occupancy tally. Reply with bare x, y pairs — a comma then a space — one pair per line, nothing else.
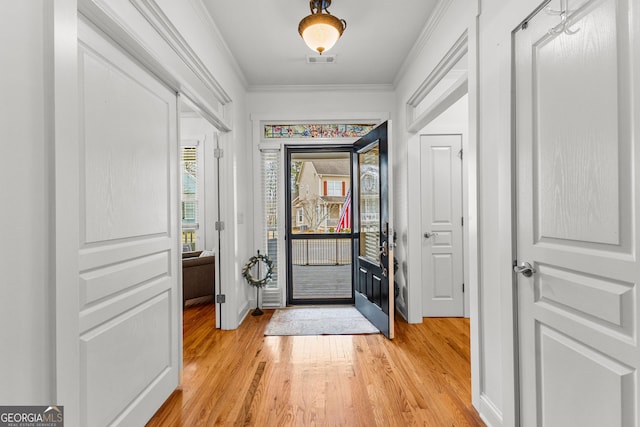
472, 210
436, 16
159, 21
446, 64
489, 412
274, 118
210, 24
457, 90
62, 112
323, 88
414, 247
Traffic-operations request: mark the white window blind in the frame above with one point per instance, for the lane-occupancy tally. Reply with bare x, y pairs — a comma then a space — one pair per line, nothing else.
189, 197
270, 171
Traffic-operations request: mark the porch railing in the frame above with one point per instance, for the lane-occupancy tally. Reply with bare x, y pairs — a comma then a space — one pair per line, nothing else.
321, 252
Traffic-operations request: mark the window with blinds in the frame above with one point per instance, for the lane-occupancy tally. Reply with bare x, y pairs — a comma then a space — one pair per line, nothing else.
189, 198
270, 171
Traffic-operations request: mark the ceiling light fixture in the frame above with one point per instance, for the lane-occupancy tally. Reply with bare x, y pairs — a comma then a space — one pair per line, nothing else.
320, 31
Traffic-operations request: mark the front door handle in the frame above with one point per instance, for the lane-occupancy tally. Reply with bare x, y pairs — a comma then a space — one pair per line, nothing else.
383, 252
430, 234
525, 269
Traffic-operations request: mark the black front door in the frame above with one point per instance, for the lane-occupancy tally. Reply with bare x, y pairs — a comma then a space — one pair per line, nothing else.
373, 241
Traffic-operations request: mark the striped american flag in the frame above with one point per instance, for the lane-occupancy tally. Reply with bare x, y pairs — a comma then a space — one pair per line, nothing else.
345, 215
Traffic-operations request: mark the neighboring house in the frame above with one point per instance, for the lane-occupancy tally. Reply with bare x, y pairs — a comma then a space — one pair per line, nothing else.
321, 187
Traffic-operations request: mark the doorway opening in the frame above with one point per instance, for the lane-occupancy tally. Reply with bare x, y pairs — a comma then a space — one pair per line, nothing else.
199, 239
319, 225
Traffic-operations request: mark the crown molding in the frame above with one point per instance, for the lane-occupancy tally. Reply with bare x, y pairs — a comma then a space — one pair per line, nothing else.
323, 88
163, 25
432, 23
213, 29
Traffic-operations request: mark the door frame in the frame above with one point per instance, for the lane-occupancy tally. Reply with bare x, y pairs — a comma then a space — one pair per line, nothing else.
466, 43
462, 133
258, 120
288, 150
210, 188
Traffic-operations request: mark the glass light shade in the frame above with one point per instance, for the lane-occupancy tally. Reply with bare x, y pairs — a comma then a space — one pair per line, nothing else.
320, 37
321, 31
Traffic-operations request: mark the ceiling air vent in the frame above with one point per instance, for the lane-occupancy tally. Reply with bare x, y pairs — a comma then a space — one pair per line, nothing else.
324, 59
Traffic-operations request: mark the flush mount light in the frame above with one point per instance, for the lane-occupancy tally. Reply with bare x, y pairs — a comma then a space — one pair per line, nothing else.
320, 31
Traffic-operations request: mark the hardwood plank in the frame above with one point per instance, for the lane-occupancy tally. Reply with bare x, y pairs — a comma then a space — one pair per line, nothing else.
242, 377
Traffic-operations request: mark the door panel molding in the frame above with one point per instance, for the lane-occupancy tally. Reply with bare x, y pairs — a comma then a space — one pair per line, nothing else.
441, 212
128, 301
577, 320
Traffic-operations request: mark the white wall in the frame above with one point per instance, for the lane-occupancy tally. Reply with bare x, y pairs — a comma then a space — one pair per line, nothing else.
453, 119
26, 284
318, 102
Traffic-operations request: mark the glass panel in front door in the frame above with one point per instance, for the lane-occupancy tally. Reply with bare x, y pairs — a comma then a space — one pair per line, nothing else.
369, 176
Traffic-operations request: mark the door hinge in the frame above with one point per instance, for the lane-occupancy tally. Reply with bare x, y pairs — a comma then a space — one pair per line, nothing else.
219, 225
460, 154
462, 220
463, 288
221, 298
218, 153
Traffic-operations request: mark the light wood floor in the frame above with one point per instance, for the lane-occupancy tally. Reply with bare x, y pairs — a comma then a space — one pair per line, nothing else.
242, 377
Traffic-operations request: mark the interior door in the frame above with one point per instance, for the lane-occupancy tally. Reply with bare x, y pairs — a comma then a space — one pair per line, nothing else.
129, 337
577, 125
442, 254
373, 247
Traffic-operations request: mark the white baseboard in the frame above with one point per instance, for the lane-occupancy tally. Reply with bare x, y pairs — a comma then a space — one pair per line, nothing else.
489, 412
402, 310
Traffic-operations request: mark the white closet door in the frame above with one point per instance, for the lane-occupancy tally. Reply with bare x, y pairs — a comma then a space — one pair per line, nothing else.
129, 334
441, 198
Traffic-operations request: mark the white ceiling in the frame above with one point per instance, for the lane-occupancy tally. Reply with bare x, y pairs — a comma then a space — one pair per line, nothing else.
263, 37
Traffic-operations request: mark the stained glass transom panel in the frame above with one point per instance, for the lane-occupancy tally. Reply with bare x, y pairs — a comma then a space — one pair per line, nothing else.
317, 130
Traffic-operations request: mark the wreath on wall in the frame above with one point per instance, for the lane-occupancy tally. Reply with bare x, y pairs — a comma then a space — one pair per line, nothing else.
248, 267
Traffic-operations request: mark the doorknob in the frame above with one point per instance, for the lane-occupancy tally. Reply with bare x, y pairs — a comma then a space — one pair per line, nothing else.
525, 269
430, 234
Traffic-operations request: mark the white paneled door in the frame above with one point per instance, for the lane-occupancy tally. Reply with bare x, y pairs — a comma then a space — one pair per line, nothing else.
577, 128
129, 325
441, 207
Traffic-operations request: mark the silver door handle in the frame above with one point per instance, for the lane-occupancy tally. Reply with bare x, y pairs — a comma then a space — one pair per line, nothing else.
383, 252
525, 269
430, 234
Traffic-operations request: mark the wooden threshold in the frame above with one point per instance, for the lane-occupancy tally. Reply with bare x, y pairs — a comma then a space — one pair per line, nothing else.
241, 377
